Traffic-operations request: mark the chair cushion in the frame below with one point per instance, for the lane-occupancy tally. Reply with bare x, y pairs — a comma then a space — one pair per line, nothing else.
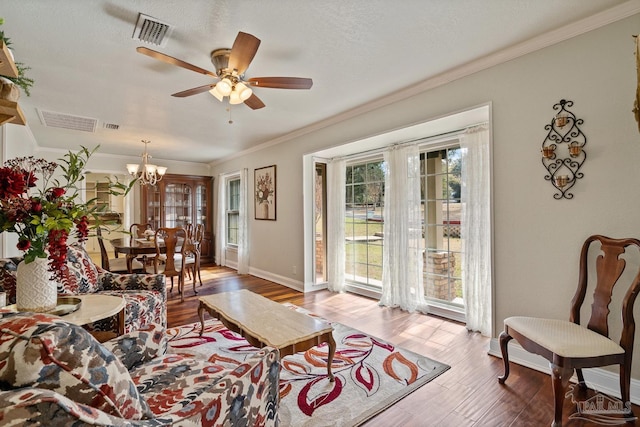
563, 338
181, 385
119, 265
43, 351
80, 275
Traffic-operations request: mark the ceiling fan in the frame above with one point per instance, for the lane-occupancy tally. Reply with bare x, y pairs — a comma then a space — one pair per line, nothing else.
230, 66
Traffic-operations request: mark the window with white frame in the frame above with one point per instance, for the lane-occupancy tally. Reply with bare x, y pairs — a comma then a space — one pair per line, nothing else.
232, 210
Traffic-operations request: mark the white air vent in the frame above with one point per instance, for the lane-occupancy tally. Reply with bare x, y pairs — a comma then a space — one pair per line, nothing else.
151, 30
111, 126
67, 121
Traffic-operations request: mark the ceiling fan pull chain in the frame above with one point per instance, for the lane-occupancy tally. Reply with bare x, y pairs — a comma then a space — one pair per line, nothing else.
229, 110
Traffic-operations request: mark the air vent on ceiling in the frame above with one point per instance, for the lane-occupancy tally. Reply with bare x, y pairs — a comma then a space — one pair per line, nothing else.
151, 30
67, 121
111, 126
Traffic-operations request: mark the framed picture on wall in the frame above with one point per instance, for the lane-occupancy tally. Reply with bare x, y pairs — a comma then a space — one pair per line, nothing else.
265, 193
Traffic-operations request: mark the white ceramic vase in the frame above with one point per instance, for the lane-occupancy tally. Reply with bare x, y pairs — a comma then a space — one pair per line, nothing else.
34, 291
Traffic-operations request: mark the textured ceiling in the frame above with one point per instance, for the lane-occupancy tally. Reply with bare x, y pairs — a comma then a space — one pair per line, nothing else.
83, 60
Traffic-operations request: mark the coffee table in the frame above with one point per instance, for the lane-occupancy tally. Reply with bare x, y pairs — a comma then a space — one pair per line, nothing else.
265, 322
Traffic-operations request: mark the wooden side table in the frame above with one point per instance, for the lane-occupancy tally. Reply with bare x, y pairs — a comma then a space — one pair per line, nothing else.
94, 307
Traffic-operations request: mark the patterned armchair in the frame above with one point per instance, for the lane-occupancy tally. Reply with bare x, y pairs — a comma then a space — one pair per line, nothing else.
145, 294
57, 374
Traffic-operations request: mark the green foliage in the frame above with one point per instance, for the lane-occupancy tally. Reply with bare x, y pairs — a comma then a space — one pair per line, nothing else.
22, 81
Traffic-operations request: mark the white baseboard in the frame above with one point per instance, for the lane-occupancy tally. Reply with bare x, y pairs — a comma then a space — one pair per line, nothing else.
596, 378
281, 280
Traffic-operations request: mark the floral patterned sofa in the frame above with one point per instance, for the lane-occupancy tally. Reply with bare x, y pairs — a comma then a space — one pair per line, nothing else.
145, 294
54, 373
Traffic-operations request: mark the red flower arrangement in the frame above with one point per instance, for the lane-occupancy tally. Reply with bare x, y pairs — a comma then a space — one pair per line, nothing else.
45, 217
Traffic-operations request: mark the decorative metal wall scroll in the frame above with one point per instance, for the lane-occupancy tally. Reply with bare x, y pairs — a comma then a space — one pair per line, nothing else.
563, 150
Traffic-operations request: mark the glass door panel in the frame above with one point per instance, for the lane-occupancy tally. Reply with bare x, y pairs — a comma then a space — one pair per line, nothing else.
153, 206
201, 204
177, 205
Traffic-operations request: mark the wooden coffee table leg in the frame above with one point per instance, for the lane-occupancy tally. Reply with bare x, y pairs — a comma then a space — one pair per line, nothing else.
201, 309
332, 352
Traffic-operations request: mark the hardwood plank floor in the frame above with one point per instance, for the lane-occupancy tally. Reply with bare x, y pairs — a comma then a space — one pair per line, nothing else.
466, 395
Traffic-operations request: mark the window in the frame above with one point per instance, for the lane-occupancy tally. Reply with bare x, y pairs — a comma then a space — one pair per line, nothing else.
233, 214
364, 222
440, 172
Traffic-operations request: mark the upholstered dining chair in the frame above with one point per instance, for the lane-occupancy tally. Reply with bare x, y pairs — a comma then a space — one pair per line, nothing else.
116, 265
569, 345
171, 250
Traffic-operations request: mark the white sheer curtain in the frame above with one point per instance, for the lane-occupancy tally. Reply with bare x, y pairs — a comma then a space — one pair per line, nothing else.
476, 228
243, 233
336, 203
402, 282
221, 220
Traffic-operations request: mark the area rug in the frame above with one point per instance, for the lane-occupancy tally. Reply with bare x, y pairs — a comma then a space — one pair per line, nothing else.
370, 374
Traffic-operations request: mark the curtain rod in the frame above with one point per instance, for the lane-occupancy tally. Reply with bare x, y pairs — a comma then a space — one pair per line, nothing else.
412, 141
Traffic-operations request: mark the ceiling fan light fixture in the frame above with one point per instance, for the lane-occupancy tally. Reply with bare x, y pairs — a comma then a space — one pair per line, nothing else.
234, 98
244, 92
225, 87
215, 92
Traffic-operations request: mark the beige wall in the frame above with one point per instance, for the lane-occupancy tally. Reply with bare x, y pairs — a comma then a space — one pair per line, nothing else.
536, 238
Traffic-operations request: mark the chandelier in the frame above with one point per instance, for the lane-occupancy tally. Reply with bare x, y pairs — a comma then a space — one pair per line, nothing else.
148, 173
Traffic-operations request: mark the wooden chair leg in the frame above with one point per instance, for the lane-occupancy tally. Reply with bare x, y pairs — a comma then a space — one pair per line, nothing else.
181, 285
194, 279
504, 340
581, 382
559, 380
625, 384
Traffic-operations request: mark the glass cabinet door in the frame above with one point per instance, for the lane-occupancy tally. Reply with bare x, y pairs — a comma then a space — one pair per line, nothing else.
153, 206
201, 204
177, 205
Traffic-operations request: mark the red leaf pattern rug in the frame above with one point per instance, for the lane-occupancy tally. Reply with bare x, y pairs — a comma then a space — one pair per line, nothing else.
370, 374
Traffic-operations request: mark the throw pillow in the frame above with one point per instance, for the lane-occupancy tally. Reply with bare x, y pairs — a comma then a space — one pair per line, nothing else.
80, 274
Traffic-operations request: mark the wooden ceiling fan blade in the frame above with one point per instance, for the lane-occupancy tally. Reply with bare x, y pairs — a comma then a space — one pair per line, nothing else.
254, 102
174, 61
242, 52
282, 82
194, 91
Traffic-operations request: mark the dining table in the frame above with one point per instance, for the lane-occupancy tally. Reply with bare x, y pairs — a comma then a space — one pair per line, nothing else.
133, 247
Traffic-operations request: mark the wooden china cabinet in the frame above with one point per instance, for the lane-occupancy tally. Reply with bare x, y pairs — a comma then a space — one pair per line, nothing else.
179, 200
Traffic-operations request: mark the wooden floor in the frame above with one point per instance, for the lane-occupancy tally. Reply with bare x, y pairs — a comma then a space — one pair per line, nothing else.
466, 395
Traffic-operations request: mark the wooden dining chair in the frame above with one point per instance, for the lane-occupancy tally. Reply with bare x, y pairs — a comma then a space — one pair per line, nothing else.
137, 230
568, 345
116, 265
171, 248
